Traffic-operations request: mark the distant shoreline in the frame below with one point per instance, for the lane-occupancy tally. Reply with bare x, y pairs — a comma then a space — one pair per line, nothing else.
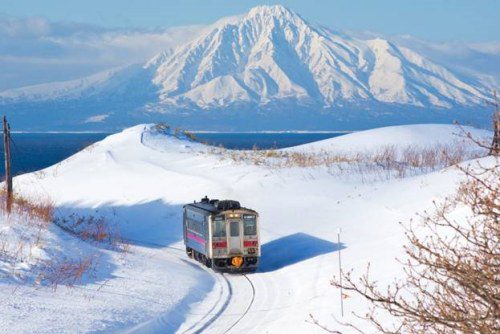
197, 131
63, 132
273, 132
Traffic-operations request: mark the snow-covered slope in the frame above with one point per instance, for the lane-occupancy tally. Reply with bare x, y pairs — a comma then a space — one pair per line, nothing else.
141, 177
270, 60
418, 136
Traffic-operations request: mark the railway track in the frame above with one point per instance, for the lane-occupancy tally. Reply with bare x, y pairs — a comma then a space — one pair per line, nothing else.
221, 321
228, 303
248, 307
220, 311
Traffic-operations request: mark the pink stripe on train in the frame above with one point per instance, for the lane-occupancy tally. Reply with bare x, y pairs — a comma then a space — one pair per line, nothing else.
196, 238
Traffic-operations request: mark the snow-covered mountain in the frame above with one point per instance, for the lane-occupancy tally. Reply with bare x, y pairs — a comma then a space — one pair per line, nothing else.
274, 54
260, 64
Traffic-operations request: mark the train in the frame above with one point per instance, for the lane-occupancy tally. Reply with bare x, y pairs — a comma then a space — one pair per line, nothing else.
222, 235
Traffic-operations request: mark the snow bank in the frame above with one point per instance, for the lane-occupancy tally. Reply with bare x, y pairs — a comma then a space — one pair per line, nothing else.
419, 136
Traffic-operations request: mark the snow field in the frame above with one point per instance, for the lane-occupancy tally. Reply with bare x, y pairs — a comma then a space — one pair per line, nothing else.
141, 177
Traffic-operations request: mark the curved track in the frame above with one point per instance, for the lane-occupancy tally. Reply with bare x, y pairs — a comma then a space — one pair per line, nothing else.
248, 307
218, 313
226, 313
239, 299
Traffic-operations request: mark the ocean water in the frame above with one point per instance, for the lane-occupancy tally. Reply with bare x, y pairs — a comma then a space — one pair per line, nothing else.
246, 141
35, 151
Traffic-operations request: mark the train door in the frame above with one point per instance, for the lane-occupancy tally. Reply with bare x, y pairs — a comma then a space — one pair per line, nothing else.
234, 237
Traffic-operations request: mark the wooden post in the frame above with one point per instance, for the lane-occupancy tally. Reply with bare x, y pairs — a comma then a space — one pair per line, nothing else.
340, 274
8, 174
495, 145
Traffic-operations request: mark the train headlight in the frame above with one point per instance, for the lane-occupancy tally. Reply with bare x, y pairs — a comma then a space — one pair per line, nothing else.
237, 261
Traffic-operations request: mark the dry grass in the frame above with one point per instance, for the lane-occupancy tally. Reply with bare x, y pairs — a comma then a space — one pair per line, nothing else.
385, 163
95, 229
39, 210
25, 237
36, 216
25, 232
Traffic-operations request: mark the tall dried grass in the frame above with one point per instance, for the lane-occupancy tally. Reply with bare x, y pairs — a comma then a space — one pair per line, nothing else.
385, 163
33, 210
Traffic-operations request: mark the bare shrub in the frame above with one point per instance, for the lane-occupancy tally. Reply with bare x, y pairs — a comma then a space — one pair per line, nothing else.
190, 135
66, 271
451, 280
177, 132
91, 228
162, 127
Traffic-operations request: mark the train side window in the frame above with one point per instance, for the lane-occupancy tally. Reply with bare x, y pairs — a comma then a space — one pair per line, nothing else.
219, 228
249, 227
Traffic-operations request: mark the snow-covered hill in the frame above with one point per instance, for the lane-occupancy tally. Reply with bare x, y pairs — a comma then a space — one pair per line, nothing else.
263, 63
419, 136
141, 177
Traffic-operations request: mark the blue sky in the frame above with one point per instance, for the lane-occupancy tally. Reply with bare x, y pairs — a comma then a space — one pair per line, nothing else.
437, 20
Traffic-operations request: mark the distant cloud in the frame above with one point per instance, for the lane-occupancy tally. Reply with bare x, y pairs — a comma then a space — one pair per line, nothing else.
97, 118
34, 50
24, 28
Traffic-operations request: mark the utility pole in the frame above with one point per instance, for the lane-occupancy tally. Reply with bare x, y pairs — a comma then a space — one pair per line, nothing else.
340, 274
8, 174
495, 145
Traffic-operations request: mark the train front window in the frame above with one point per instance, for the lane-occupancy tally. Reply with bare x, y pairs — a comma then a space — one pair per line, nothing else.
235, 229
219, 228
250, 226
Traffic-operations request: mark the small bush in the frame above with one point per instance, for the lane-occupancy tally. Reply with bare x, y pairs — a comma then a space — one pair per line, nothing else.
91, 228
66, 271
162, 127
190, 135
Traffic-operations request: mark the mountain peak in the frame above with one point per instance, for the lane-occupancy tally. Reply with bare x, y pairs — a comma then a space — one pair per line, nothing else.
260, 15
273, 10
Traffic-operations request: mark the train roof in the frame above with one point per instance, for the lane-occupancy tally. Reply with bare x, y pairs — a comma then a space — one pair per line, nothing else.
217, 206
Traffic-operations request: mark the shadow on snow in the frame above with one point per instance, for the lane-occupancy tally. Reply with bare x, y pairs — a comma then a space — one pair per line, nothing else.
153, 224
292, 249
